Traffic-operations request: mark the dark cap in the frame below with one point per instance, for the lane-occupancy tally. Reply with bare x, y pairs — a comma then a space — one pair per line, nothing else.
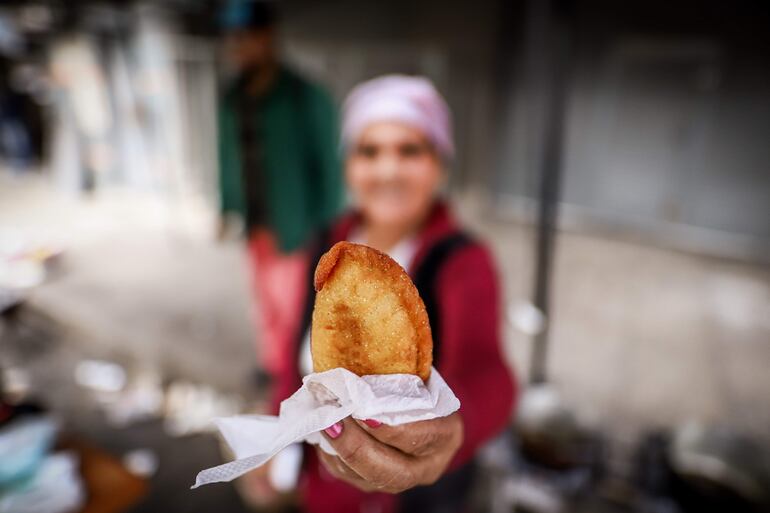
248, 14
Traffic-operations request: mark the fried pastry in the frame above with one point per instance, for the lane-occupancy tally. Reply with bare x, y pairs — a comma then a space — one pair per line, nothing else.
368, 316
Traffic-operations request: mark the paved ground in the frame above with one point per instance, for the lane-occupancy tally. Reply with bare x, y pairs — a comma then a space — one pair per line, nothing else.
49, 353
642, 336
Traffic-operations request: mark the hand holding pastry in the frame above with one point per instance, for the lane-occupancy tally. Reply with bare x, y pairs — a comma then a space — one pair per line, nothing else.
369, 318
377, 457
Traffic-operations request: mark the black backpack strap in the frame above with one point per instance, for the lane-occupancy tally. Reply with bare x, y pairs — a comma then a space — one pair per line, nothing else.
451, 491
425, 280
320, 245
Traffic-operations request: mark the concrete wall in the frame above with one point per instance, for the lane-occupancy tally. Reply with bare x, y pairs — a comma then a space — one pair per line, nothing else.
666, 129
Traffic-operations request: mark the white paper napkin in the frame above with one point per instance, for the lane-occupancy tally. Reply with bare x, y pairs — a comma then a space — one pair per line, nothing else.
326, 398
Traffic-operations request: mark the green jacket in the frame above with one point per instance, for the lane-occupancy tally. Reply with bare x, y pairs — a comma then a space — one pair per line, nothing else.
302, 175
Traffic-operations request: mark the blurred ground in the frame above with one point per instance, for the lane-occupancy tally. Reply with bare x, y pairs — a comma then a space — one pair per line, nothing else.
129, 290
50, 354
642, 336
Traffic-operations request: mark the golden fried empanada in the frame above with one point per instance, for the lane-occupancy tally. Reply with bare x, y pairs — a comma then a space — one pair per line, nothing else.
368, 316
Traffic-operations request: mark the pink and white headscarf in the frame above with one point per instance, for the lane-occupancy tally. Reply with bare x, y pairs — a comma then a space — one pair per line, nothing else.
410, 100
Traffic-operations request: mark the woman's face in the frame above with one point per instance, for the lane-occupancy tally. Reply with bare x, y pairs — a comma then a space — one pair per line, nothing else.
394, 174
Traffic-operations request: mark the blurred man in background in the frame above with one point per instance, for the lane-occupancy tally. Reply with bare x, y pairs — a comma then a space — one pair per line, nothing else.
279, 165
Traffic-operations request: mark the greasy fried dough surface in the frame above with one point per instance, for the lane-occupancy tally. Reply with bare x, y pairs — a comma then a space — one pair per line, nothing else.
368, 316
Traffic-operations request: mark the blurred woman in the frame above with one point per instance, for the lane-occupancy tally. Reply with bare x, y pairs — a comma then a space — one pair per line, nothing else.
397, 141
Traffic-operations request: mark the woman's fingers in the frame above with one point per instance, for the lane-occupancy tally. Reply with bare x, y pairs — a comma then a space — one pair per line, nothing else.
416, 438
337, 468
431, 443
383, 467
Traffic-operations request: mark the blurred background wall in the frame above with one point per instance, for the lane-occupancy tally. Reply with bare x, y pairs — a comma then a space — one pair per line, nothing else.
667, 105
666, 110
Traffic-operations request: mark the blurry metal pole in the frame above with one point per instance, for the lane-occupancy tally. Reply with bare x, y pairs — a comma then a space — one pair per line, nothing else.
553, 18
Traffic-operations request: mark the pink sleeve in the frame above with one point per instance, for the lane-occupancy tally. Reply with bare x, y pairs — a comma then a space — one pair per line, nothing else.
285, 376
470, 352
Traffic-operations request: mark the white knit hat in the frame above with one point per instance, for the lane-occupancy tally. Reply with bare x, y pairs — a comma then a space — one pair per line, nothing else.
410, 100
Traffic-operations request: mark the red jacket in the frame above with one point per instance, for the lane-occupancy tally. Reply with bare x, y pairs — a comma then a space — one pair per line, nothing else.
471, 362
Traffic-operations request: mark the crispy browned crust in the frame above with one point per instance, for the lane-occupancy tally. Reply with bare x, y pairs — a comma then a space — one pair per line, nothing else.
389, 271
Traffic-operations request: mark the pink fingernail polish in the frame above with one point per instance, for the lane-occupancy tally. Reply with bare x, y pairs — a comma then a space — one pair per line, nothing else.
373, 423
334, 430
